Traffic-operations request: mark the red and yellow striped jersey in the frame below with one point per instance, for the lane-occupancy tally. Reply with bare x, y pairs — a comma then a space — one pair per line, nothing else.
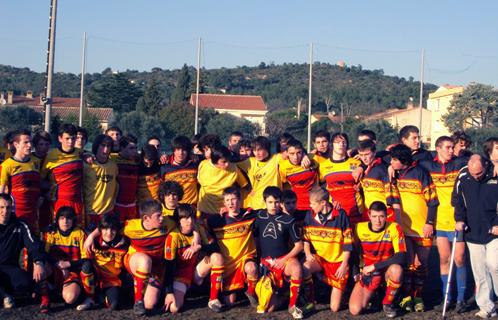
65, 248
65, 170
149, 180
109, 259
186, 176
301, 181
127, 180
150, 242
378, 246
377, 186
328, 239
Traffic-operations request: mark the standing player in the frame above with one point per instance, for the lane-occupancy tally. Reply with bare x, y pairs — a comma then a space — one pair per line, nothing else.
126, 199
170, 193
410, 137
21, 178
274, 231
300, 179
322, 146
340, 173
383, 250
42, 141
418, 214
99, 182
64, 167
327, 246
149, 174
444, 171
115, 133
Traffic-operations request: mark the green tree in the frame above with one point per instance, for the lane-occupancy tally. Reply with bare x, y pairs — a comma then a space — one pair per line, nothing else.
476, 107
152, 100
281, 121
140, 125
479, 135
19, 117
181, 92
222, 124
114, 91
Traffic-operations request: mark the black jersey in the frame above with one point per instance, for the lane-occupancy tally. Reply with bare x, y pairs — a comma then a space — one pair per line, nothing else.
274, 233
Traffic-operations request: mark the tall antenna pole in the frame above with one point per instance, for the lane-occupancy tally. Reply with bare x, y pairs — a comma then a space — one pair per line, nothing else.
421, 91
310, 96
196, 121
50, 63
82, 85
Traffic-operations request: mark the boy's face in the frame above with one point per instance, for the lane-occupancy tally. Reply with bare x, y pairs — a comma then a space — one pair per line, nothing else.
289, 206
321, 144
80, 141
67, 141
232, 203
108, 234
180, 155
5, 211
412, 141
260, 153
130, 151
155, 220
317, 205
272, 205
65, 223
171, 200
295, 155
377, 219
42, 147
186, 225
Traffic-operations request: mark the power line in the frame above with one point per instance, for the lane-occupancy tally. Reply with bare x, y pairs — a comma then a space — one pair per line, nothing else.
96, 37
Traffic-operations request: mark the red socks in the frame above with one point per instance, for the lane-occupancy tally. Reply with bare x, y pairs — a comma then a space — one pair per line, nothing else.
294, 291
140, 279
216, 281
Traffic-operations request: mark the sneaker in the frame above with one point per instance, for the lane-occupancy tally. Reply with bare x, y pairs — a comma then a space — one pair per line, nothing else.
440, 307
215, 305
389, 311
253, 300
418, 305
462, 307
485, 315
295, 312
8, 302
406, 304
139, 309
88, 304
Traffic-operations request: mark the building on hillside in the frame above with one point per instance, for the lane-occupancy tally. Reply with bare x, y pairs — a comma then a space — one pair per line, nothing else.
251, 108
65, 108
399, 118
438, 103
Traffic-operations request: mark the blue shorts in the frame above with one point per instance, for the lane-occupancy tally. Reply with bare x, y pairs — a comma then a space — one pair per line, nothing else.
449, 235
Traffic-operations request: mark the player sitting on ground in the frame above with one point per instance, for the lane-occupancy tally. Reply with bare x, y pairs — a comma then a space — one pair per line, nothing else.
383, 250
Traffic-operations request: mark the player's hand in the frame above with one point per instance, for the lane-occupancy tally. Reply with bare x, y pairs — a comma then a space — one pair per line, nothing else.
169, 300
341, 271
391, 172
223, 211
306, 162
38, 272
61, 264
460, 226
494, 230
280, 263
189, 253
428, 230
336, 205
310, 257
358, 277
88, 158
367, 270
357, 173
163, 159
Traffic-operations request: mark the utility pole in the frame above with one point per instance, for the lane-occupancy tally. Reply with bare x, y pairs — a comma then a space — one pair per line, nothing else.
342, 118
82, 85
310, 96
421, 92
50, 63
196, 121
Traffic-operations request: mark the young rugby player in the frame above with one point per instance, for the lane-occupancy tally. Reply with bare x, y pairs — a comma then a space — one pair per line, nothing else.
170, 193
149, 174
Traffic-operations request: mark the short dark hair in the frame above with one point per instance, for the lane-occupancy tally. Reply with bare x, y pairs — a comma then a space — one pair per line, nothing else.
170, 187
196, 139
219, 152
295, 143
149, 152
322, 134
110, 221
441, 140
153, 137
488, 145
246, 143
461, 135
378, 206
99, 140
288, 194
7, 197
67, 212
366, 145
340, 135
8, 137
209, 141
126, 140
272, 191
402, 153
183, 210
236, 134
114, 128
235, 190
404, 133
369, 133
41, 135
83, 132
68, 128
262, 142
283, 139
148, 207
181, 142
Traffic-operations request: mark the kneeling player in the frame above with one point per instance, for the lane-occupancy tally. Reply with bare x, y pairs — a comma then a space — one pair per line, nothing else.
274, 231
233, 231
383, 251
327, 246
179, 271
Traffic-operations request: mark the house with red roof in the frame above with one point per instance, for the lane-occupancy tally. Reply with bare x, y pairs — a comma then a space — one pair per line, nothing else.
251, 108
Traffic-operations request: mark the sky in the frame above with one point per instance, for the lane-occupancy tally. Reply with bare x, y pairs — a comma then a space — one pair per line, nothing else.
459, 37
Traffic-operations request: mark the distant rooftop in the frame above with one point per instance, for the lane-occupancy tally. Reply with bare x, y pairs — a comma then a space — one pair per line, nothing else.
229, 102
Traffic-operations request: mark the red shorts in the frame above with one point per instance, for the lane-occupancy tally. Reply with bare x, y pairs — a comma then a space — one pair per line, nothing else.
106, 279
77, 206
373, 282
60, 281
156, 272
329, 270
126, 211
235, 279
277, 275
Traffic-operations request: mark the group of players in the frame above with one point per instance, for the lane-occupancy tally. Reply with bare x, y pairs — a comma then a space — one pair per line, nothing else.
269, 224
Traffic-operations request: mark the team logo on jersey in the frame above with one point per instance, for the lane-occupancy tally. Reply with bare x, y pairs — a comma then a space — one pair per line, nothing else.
270, 231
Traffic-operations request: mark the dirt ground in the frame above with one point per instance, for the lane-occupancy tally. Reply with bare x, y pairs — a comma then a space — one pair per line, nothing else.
195, 308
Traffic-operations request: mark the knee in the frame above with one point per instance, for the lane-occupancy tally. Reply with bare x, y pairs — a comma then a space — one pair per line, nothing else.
296, 269
70, 297
492, 264
395, 272
216, 259
250, 268
444, 260
173, 308
354, 309
460, 260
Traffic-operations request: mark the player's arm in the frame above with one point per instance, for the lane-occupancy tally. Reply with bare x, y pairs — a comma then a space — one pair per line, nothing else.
307, 251
458, 202
399, 246
430, 195
4, 180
